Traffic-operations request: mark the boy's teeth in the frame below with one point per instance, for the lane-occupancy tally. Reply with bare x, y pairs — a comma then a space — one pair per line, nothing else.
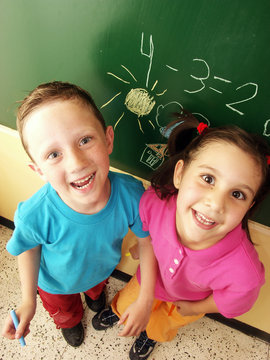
83, 180
86, 181
204, 220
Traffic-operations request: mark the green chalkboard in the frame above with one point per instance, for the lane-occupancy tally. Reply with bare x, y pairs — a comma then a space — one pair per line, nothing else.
142, 60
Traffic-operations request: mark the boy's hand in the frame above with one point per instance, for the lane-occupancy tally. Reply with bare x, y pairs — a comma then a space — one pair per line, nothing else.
25, 314
136, 317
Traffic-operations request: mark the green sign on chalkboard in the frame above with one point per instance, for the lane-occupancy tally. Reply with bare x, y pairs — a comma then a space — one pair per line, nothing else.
143, 60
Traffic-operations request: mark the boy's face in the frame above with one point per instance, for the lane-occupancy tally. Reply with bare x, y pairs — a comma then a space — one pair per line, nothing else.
71, 151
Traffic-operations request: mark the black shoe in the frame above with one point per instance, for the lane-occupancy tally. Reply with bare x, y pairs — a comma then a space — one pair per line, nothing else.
104, 319
142, 347
74, 336
96, 305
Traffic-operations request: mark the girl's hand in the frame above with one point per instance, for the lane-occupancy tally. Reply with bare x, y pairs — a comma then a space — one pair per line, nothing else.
184, 308
25, 314
134, 251
204, 306
136, 316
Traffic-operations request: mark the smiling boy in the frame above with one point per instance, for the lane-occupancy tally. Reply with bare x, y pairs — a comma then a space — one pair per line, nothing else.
68, 235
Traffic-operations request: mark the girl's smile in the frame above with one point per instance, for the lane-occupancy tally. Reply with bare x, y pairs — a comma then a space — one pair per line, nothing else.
203, 221
216, 189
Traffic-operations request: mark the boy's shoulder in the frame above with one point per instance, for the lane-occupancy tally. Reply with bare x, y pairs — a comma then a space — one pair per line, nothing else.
30, 206
124, 180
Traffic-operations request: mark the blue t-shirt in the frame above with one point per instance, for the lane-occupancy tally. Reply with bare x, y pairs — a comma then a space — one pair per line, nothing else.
78, 251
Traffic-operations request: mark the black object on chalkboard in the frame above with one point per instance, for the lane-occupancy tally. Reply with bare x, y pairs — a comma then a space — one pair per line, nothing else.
143, 60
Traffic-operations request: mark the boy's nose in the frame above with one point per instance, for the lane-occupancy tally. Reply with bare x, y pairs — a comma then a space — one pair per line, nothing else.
75, 160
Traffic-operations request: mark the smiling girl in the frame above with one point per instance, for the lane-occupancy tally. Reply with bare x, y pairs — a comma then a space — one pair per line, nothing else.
196, 212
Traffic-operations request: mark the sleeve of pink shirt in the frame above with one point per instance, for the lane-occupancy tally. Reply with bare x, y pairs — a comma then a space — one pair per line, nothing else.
232, 304
243, 290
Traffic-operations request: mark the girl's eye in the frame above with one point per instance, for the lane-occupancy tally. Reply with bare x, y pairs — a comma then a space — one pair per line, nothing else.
53, 155
209, 179
238, 195
85, 140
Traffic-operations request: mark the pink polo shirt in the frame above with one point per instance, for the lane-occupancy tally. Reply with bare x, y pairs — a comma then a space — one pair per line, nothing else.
230, 269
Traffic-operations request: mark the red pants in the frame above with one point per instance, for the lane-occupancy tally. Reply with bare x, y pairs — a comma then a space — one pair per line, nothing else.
67, 310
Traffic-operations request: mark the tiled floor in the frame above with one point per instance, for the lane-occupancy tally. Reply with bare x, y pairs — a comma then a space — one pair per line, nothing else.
204, 340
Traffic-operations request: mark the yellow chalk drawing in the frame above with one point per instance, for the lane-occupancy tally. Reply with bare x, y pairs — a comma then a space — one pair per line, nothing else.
138, 100
110, 100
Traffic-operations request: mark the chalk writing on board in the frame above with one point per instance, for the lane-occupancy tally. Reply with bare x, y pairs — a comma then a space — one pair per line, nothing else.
154, 155
234, 105
266, 131
205, 74
138, 100
142, 100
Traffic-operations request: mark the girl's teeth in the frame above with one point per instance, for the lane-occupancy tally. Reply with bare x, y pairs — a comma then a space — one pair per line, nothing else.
203, 220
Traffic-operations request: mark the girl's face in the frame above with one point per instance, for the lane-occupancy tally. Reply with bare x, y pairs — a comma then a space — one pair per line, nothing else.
216, 190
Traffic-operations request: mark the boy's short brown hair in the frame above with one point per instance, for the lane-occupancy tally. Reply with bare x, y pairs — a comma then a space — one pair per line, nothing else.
51, 91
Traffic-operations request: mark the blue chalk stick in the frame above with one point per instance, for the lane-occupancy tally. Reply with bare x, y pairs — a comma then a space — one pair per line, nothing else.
16, 323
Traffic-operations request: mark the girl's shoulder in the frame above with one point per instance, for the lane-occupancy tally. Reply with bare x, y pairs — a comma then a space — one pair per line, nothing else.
151, 201
150, 195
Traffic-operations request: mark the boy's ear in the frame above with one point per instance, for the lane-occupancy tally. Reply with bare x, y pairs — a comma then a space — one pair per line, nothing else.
35, 168
178, 172
109, 138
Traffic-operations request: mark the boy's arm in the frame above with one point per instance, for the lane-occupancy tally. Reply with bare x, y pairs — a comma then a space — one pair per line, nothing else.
28, 264
205, 306
138, 313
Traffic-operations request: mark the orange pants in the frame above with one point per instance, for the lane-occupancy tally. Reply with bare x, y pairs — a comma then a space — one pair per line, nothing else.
164, 321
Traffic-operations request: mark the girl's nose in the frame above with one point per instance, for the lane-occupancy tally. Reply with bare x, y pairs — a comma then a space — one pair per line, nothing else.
216, 200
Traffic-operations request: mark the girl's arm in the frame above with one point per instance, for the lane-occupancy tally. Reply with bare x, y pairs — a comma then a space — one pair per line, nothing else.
138, 313
28, 264
205, 306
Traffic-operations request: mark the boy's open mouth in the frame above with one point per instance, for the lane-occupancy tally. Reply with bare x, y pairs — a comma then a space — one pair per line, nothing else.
83, 183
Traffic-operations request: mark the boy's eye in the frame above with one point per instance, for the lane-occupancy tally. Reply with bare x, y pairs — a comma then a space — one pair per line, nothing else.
53, 155
209, 179
85, 140
238, 195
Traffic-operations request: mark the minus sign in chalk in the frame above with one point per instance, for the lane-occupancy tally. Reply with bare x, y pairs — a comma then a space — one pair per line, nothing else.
16, 323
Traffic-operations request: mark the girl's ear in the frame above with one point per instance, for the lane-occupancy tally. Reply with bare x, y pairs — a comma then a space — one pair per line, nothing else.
35, 168
178, 172
109, 139
252, 205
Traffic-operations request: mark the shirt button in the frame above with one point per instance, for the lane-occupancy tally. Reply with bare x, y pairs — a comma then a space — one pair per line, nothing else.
180, 251
171, 270
176, 261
